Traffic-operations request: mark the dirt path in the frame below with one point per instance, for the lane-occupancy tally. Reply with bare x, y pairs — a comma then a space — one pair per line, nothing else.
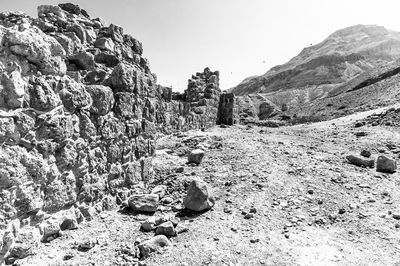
341, 121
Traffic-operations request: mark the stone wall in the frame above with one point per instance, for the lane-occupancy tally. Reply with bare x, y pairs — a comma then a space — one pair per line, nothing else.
80, 111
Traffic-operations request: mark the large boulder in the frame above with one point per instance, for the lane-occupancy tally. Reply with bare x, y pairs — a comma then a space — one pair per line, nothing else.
41, 95
154, 244
13, 89
144, 202
57, 128
61, 192
125, 105
74, 96
198, 197
28, 199
385, 164
115, 32
123, 77
44, 10
108, 59
8, 131
44, 51
131, 78
103, 99
25, 244
73, 9
83, 60
104, 43
134, 44
69, 41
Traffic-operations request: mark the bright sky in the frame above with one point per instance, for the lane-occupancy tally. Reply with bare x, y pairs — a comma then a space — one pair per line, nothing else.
240, 38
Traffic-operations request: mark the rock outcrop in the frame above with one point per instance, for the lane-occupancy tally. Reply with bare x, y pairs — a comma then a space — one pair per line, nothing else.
80, 111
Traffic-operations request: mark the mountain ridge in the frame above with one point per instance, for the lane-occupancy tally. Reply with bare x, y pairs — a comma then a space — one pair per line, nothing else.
343, 55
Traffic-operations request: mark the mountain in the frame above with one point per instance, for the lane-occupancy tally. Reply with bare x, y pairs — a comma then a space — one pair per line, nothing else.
323, 67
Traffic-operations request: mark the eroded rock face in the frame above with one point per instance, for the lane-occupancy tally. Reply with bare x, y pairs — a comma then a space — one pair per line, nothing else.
80, 110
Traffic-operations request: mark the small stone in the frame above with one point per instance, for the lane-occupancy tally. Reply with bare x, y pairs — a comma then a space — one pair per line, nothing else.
396, 216
68, 222
177, 207
144, 202
50, 230
359, 124
166, 229
87, 244
180, 228
227, 210
198, 197
88, 212
360, 162
361, 134
249, 215
342, 210
159, 190
385, 164
196, 156
160, 219
148, 225
154, 244
167, 200
175, 220
365, 153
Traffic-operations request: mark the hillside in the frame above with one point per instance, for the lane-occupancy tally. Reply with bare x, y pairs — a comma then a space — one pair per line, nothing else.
342, 56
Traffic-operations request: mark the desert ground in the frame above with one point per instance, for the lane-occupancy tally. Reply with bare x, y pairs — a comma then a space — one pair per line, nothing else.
283, 196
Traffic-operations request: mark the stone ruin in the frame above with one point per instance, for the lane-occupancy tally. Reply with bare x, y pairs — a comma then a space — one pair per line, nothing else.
227, 110
80, 112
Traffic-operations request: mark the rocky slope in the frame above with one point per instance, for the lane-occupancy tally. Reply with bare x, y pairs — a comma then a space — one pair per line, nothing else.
80, 112
342, 56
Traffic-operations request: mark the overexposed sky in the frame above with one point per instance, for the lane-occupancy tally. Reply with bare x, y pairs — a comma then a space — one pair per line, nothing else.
240, 38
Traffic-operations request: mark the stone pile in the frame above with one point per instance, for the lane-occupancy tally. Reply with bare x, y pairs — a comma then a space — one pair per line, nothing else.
391, 117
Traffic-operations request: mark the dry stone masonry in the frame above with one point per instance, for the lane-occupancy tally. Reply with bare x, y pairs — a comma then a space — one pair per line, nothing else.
227, 110
80, 112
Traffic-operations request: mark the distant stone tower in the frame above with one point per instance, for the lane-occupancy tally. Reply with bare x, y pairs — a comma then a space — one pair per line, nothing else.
227, 111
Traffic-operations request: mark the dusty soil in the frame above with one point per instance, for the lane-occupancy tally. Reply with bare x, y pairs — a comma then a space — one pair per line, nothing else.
308, 205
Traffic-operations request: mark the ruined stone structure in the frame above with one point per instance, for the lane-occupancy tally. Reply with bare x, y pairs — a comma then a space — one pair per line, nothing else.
227, 110
80, 111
